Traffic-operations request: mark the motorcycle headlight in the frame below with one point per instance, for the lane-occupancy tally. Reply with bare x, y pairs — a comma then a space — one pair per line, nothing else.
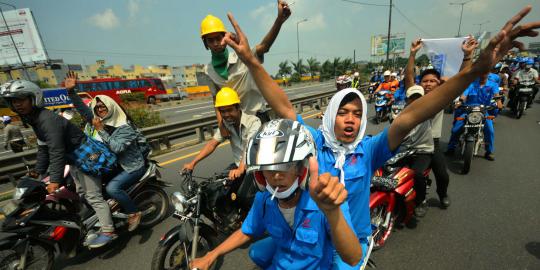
475, 117
179, 201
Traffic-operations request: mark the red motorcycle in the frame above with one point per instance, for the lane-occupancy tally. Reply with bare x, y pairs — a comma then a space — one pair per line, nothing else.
392, 197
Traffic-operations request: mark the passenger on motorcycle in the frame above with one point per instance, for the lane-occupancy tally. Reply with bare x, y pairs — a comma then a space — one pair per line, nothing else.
419, 139
241, 126
342, 149
57, 140
480, 92
113, 127
304, 227
225, 69
525, 75
13, 135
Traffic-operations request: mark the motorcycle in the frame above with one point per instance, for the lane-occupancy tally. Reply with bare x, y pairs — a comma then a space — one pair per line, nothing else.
383, 100
41, 226
392, 197
523, 96
472, 137
212, 198
397, 107
371, 89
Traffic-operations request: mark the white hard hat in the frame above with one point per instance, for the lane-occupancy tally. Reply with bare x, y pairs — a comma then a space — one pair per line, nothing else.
387, 73
415, 89
393, 74
356, 74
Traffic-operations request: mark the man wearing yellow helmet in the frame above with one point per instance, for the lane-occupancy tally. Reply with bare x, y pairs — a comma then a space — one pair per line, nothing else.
241, 126
226, 69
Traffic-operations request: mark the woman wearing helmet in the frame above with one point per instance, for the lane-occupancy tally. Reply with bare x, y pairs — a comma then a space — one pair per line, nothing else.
341, 148
57, 140
306, 226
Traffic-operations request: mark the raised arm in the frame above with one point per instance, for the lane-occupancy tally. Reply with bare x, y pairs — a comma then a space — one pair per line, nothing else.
330, 194
69, 83
409, 69
274, 95
283, 14
427, 106
468, 48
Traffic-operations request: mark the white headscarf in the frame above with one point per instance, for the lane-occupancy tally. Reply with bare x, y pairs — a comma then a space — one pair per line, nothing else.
339, 149
115, 117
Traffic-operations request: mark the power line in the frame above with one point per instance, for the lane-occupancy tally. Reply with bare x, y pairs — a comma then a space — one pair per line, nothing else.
365, 4
411, 22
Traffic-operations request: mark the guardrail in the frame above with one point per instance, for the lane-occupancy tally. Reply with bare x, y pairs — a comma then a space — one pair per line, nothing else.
15, 165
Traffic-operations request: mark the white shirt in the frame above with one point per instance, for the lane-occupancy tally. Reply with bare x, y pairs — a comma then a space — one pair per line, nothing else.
527, 76
249, 125
239, 79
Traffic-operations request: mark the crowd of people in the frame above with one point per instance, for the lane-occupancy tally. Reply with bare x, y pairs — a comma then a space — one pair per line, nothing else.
307, 188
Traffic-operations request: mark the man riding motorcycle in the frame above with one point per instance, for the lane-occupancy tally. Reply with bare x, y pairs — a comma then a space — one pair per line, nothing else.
241, 126
356, 80
480, 92
388, 84
58, 139
525, 75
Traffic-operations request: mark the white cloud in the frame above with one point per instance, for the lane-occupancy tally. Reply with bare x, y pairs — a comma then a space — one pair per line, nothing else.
133, 8
106, 20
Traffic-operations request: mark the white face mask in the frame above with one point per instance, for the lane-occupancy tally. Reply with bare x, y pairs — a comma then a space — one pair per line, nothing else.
284, 194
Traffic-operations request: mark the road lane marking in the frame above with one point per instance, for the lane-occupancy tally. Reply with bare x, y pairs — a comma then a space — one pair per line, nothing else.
186, 156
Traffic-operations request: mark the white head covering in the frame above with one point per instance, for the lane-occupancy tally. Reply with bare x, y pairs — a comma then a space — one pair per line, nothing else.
339, 149
115, 117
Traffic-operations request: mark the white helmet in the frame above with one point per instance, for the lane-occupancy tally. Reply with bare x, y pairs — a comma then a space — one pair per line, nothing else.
387, 73
6, 119
356, 74
278, 145
394, 74
20, 89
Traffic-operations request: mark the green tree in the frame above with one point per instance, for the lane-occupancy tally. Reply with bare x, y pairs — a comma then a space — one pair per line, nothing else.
299, 69
313, 66
336, 65
284, 69
327, 70
423, 60
346, 65
43, 84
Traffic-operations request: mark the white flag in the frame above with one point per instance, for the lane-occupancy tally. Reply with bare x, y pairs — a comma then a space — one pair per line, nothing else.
445, 54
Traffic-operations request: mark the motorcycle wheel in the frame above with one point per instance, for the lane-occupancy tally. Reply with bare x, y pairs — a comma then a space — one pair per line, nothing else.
377, 117
152, 196
381, 233
173, 254
38, 257
467, 157
520, 108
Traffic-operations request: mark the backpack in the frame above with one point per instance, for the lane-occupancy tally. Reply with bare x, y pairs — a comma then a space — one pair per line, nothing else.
94, 157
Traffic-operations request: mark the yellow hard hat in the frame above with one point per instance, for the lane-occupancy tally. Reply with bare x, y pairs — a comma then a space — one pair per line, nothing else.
211, 24
226, 96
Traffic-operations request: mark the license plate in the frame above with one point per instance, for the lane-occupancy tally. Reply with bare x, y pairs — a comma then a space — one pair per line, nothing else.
526, 90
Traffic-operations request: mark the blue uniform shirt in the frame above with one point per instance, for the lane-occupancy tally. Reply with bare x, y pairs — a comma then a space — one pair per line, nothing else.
371, 153
481, 95
307, 245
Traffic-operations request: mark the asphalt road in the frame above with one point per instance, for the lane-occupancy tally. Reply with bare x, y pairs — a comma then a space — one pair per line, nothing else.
493, 222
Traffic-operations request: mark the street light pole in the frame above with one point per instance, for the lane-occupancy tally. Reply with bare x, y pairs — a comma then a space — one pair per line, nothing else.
480, 26
298, 38
460, 16
12, 40
389, 29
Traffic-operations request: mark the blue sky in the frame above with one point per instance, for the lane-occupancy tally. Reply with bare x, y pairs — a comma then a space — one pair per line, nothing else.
167, 32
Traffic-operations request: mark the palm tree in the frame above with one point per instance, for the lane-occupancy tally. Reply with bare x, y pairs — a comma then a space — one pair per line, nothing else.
299, 67
346, 65
335, 65
327, 69
284, 69
314, 66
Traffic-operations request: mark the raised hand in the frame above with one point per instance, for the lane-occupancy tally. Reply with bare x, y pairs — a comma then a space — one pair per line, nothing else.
326, 190
469, 46
506, 40
284, 12
416, 45
70, 81
239, 42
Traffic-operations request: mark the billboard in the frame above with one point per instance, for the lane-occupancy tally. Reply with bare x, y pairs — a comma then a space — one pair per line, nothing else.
379, 44
23, 30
